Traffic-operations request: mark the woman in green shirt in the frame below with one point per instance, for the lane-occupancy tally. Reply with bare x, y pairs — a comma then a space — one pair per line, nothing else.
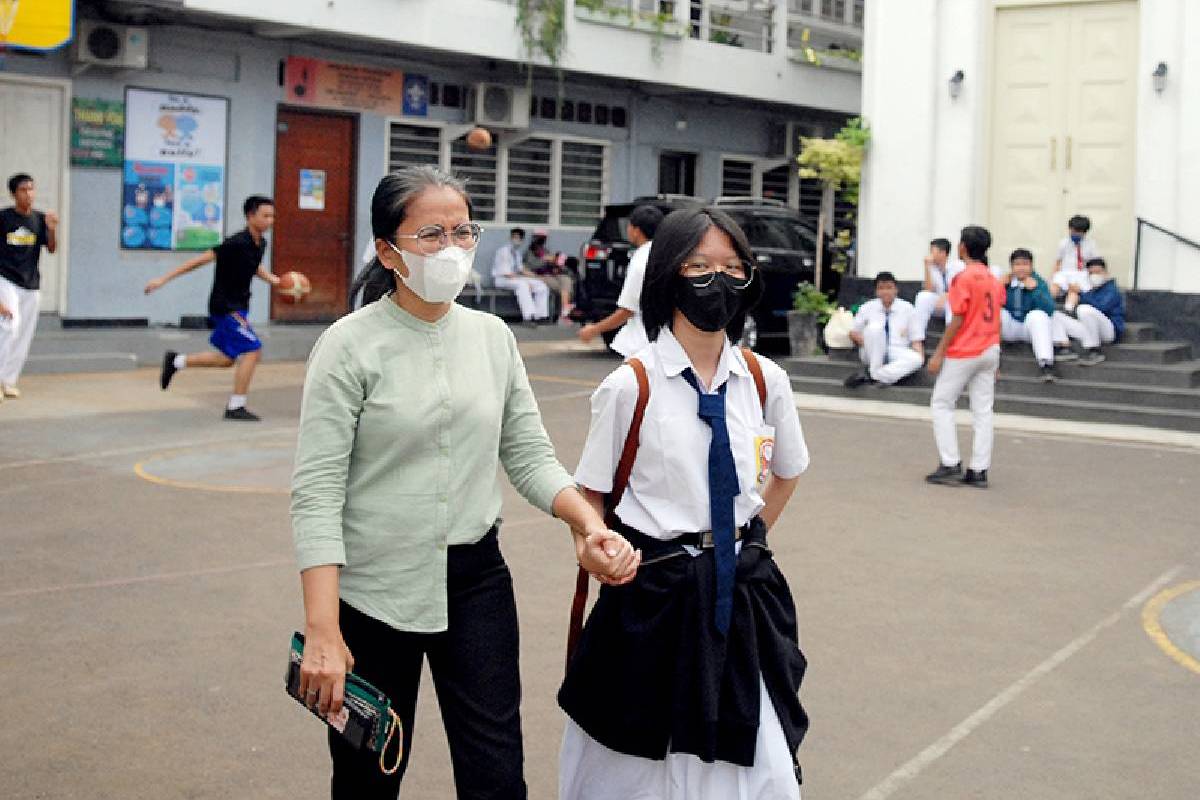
410, 404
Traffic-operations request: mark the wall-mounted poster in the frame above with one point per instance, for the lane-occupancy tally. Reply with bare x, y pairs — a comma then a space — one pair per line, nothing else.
97, 132
354, 87
312, 189
173, 193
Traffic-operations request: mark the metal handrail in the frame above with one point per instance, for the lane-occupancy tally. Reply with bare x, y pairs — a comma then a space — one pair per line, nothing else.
1137, 248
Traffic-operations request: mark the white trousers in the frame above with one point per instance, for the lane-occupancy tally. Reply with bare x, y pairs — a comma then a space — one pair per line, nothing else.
978, 376
901, 361
533, 295
1090, 326
16, 334
1037, 329
926, 307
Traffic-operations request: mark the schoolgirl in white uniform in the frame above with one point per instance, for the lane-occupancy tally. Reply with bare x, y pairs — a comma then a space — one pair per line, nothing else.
701, 651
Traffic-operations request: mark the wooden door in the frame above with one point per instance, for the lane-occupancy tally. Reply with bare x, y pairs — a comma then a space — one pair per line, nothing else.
31, 140
314, 204
1063, 114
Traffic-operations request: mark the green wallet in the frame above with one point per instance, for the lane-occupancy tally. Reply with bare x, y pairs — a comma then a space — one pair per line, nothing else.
366, 720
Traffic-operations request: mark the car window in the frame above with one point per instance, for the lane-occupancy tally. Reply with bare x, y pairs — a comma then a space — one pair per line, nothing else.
779, 233
612, 227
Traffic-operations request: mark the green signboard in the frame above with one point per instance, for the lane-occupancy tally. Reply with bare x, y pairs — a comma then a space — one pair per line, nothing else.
97, 133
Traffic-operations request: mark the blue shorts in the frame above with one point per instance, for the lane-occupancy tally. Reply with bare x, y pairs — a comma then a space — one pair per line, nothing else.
233, 336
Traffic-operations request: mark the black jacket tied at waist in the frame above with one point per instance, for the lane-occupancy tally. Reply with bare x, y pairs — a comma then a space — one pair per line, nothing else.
652, 674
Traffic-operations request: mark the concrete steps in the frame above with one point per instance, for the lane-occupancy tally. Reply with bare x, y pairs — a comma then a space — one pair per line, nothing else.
1144, 381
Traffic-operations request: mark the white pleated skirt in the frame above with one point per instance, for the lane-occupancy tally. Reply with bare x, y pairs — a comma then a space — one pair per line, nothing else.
590, 771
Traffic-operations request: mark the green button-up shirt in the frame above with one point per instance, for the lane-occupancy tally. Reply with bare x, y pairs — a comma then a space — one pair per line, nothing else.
403, 425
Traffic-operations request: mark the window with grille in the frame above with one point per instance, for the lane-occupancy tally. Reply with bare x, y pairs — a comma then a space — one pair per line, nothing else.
581, 199
737, 178
478, 168
859, 13
775, 183
413, 145
529, 180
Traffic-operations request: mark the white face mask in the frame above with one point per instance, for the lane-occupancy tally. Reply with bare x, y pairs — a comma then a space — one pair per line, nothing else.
1097, 280
437, 278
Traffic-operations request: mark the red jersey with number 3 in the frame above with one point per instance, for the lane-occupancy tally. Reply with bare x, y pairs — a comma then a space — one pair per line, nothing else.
977, 297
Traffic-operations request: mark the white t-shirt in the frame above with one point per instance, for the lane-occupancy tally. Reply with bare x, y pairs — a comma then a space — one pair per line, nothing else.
668, 488
632, 336
898, 319
1069, 257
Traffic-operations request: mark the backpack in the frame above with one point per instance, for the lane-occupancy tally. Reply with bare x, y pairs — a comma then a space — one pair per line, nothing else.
625, 469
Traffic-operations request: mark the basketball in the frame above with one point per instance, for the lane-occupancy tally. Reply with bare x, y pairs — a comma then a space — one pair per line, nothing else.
479, 139
293, 287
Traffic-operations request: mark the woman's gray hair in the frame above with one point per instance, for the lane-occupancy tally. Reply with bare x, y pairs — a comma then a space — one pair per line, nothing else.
397, 190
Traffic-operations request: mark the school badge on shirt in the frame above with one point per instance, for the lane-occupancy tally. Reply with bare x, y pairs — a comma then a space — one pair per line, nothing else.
764, 449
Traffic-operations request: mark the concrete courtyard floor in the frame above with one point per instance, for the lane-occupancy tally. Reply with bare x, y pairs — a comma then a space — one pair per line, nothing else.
1036, 641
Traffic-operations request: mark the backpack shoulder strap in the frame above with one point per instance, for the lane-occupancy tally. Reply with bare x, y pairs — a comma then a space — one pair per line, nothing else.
620, 483
759, 381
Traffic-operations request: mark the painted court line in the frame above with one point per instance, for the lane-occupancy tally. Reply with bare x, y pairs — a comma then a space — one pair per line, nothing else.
160, 577
907, 772
1153, 627
126, 451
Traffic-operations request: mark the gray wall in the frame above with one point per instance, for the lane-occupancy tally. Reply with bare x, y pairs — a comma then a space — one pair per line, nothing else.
105, 281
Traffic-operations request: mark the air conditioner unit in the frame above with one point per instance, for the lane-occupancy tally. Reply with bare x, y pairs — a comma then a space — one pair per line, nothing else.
122, 46
497, 106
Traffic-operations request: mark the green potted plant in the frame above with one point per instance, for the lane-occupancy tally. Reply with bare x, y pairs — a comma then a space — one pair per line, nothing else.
810, 310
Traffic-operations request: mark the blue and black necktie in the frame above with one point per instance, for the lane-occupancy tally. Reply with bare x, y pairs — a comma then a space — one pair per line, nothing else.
887, 333
722, 489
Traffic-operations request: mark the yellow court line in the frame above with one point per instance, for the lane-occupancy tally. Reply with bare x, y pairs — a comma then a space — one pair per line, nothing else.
140, 470
570, 381
1153, 628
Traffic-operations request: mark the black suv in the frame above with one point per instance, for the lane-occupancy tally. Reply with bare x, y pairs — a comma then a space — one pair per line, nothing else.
784, 246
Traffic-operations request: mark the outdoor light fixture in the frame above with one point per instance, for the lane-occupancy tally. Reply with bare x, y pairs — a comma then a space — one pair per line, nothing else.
956, 82
1160, 77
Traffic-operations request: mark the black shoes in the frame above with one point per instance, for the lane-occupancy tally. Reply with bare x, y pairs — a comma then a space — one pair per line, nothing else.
242, 414
168, 370
975, 478
1065, 354
1091, 358
946, 476
1048, 374
858, 379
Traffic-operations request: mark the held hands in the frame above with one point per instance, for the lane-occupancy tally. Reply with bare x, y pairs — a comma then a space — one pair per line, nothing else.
608, 556
323, 669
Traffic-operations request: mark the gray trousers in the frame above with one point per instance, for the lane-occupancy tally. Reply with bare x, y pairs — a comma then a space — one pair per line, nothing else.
978, 376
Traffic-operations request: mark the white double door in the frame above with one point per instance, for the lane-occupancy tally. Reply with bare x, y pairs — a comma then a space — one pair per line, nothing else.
32, 140
1064, 107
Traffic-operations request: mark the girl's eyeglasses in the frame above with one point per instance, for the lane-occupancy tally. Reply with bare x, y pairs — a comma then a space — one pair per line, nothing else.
702, 273
432, 238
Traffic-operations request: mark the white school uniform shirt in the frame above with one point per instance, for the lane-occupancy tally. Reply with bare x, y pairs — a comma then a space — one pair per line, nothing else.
899, 318
507, 261
954, 269
667, 493
632, 336
1069, 258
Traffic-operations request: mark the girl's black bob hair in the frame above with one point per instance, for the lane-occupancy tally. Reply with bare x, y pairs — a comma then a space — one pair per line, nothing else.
677, 237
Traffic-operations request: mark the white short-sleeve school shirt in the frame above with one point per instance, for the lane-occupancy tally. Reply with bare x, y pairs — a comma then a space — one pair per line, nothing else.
632, 336
668, 487
898, 319
1069, 257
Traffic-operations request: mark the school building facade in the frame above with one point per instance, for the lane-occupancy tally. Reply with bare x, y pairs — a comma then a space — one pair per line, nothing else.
148, 129
1017, 115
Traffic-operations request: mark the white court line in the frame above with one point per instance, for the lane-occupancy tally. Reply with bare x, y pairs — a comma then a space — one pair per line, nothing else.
125, 451
907, 772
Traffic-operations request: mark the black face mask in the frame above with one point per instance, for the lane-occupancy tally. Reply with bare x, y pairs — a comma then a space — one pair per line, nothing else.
710, 308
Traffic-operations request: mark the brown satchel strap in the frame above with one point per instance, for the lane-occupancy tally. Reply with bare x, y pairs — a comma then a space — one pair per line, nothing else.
760, 382
620, 483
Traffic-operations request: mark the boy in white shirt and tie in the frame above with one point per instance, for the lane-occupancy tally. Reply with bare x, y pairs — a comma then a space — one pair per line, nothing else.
881, 331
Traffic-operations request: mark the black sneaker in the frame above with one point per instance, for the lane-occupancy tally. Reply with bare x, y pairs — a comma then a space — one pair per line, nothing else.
1065, 354
1048, 374
975, 478
244, 414
168, 370
858, 379
946, 476
1091, 358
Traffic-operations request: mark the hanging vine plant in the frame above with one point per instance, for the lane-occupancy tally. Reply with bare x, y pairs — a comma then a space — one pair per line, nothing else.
543, 26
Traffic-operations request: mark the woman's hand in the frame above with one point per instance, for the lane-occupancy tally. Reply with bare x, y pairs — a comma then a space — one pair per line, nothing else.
607, 556
323, 669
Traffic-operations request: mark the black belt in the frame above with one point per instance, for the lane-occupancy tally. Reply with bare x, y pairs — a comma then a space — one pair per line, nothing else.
702, 540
